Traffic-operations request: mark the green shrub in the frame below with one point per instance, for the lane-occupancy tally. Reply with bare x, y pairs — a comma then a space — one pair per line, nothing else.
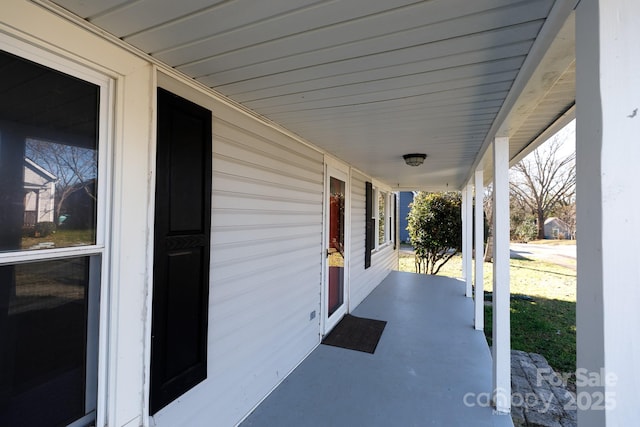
44, 229
525, 231
435, 229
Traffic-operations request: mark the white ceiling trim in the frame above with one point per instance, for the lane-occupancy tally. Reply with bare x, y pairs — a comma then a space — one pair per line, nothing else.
172, 72
552, 26
363, 80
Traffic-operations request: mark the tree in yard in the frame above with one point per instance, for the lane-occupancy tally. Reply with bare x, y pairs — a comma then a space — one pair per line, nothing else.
75, 167
522, 224
435, 229
542, 180
487, 207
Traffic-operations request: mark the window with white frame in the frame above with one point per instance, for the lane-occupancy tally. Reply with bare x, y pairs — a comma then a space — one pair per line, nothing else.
382, 218
391, 221
382, 215
52, 249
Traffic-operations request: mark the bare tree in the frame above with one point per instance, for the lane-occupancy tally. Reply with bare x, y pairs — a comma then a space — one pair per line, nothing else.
542, 180
75, 168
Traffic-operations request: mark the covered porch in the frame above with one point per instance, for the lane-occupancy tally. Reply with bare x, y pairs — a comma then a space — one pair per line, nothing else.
294, 88
431, 367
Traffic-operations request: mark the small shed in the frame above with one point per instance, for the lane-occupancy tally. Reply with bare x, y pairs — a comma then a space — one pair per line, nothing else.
555, 228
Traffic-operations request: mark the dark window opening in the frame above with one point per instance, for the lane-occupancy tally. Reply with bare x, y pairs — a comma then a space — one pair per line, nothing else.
48, 308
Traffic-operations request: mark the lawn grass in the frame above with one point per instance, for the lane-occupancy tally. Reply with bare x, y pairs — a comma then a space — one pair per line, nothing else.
62, 238
545, 325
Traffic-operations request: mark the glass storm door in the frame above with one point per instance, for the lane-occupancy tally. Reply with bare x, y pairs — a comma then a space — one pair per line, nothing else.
335, 295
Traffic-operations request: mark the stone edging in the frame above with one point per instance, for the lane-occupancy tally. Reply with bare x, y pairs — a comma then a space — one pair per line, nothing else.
539, 399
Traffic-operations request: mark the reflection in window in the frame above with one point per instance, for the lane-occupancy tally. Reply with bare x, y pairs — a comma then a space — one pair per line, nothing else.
48, 308
336, 245
382, 198
43, 331
60, 187
48, 157
336, 232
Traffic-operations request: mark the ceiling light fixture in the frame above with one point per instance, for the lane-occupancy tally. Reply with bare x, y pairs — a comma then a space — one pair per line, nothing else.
415, 159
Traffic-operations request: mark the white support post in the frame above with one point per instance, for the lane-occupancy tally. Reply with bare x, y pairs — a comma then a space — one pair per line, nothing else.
467, 236
479, 251
501, 291
464, 231
608, 208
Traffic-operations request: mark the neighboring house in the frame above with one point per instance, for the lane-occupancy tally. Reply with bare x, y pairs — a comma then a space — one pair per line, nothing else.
406, 198
223, 131
40, 192
79, 209
555, 228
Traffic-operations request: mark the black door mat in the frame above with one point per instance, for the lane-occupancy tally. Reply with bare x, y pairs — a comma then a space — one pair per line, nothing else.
356, 333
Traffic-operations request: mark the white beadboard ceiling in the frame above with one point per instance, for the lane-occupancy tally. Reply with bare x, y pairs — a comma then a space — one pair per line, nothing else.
371, 80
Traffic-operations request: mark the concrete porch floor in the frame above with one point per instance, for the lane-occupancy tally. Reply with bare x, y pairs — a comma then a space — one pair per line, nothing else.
428, 359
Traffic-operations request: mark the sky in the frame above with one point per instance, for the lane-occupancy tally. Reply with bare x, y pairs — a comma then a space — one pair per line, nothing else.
568, 135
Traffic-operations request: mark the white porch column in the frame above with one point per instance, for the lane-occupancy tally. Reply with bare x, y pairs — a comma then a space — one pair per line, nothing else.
501, 291
463, 216
608, 149
467, 236
479, 250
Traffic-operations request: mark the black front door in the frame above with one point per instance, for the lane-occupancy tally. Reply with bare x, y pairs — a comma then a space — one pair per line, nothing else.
181, 253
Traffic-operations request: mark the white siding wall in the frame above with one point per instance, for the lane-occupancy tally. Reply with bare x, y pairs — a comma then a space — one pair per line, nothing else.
266, 265
383, 261
266, 259
267, 225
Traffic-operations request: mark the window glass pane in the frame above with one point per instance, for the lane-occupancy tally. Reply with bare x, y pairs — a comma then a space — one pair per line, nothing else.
336, 244
382, 197
43, 331
48, 157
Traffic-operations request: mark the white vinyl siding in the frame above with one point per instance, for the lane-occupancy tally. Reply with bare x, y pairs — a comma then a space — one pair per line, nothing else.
266, 265
383, 261
267, 239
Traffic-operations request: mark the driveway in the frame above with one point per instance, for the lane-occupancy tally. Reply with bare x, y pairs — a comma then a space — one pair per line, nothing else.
563, 255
